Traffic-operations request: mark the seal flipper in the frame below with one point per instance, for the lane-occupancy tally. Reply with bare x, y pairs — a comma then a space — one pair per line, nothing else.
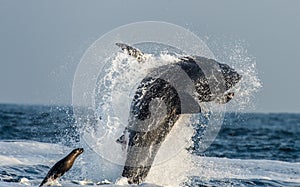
131, 51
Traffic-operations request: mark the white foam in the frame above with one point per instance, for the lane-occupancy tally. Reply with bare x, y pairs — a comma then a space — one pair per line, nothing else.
29, 152
174, 171
169, 173
224, 168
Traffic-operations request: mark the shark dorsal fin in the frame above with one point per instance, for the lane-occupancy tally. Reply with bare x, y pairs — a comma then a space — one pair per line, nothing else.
131, 51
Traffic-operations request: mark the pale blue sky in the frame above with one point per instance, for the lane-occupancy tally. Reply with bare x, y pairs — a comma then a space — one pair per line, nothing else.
41, 42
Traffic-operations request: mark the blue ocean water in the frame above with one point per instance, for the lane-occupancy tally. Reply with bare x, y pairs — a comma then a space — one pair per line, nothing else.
251, 149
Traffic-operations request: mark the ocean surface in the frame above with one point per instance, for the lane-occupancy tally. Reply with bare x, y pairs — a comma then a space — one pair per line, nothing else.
251, 149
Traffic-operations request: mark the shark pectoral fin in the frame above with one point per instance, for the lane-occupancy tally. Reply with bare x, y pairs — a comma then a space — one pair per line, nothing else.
131, 51
188, 104
125, 47
121, 140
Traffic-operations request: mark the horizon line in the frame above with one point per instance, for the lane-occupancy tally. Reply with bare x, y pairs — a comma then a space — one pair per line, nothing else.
70, 105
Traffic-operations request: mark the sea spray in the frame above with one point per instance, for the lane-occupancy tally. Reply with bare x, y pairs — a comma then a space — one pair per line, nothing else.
116, 86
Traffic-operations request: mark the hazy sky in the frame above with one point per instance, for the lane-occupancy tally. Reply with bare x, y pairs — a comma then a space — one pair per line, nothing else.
41, 42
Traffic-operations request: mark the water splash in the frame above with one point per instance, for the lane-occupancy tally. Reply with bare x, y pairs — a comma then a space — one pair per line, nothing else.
245, 64
116, 87
234, 52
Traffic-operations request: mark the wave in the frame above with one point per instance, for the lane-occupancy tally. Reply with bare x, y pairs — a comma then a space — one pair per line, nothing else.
26, 163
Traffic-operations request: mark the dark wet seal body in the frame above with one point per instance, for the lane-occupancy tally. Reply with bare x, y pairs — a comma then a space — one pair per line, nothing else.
147, 128
62, 166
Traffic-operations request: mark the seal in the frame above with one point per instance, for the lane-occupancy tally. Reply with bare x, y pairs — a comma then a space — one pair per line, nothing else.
62, 166
147, 127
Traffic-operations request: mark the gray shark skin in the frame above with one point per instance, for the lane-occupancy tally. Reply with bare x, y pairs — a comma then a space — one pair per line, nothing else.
160, 99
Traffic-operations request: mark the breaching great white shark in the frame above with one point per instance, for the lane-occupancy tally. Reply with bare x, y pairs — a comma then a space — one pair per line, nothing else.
161, 97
